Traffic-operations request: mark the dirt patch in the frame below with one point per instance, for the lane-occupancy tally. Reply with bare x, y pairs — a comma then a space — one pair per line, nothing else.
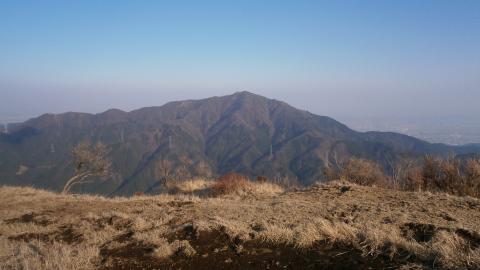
30, 218
186, 231
124, 237
68, 235
447, 217
216, 250
136, 255
421, 233
27, 237
65, 234
470, 236
344, 189
117, 222
473, 205
179, 203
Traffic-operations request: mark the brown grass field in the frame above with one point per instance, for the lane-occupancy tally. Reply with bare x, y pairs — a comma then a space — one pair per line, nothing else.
330, 226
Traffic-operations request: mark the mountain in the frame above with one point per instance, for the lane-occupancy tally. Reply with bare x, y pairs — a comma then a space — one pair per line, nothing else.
242, 132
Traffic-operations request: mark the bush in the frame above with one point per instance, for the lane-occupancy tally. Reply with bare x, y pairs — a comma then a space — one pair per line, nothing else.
413, 180
472, 175
262, 179
363, 172
454, 176
230, 183
330, 174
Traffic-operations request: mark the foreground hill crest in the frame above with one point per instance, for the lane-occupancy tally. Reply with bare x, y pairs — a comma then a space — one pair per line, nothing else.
334, 226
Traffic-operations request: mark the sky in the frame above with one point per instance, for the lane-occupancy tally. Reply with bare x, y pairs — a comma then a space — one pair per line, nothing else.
345, 59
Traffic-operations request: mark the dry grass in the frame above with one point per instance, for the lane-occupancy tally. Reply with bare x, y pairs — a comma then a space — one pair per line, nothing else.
447, 249
166, 250
30, 239
228, 185
452, 251
39, 255
190, 186
264, 188
44, 230
236, 184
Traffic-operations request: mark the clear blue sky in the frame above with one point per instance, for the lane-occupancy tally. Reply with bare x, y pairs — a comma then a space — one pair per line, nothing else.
337, 58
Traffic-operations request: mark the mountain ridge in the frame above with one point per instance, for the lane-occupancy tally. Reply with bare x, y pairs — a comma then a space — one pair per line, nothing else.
242, 132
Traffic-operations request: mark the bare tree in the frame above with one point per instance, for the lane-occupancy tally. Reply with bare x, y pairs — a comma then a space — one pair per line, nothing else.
89, 161
414, 179
452, 175
472, 175
452, 179
202, 168
399, 170
163, 170
331, 169
183, 171
432, 174
337, 161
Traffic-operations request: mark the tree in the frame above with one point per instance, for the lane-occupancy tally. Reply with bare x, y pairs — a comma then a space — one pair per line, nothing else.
452, 175
399, 169
163, 170
472, 175
452, 179
414, 179
89, 161
430, 172
183, 171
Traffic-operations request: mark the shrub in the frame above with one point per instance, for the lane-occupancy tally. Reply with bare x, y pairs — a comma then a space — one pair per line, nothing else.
454, 176
230, 183
413, 180
330, 174
363, 172
262, 179
472, 175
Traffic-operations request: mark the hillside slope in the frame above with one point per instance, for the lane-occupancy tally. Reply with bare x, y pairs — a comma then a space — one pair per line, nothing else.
335, 226
242, 132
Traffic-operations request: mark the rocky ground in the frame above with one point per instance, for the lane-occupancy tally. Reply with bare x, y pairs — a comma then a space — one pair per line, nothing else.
334, 226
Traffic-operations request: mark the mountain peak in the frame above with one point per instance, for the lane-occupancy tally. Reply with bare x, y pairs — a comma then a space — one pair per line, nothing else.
246, 94
113, 111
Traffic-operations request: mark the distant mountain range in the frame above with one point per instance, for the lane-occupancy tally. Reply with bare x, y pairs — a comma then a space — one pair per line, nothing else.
242, 132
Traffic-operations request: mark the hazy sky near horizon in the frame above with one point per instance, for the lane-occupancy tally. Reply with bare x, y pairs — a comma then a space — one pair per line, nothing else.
364, 59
